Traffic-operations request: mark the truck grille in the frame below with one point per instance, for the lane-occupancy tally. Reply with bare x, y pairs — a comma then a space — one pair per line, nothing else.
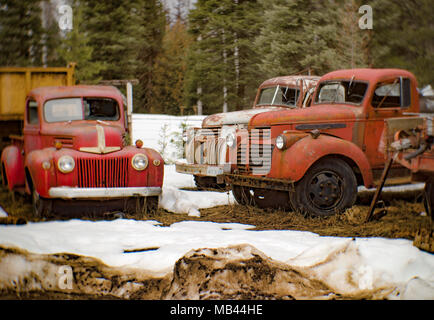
260, 146
209, 151
102, 173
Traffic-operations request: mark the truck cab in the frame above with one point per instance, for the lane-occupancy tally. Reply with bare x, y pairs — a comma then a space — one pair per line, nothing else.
74, 150
207, 154
313, 159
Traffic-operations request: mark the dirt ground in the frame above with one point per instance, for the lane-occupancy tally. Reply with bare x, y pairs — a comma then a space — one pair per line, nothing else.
405, 218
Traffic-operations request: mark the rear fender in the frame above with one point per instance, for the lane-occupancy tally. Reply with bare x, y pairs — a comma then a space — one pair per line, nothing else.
293, 163
12, 162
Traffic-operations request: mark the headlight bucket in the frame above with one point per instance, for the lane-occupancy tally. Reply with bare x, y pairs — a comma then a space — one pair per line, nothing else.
288, 138
66, 164
281, 142
139, 162
230, 140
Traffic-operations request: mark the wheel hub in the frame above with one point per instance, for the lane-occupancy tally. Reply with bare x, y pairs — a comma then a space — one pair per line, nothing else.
325, 190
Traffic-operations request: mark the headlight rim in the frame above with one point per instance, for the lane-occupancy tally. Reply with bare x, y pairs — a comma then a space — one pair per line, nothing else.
60, 168
135, 157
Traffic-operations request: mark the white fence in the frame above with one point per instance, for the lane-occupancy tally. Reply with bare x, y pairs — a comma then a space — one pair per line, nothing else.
163, 132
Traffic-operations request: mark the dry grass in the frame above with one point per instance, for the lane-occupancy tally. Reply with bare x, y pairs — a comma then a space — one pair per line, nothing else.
403, 218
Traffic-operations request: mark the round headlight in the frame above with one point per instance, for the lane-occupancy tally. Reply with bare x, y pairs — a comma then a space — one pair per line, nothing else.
66, 164
139, 162
230, 140
280, 142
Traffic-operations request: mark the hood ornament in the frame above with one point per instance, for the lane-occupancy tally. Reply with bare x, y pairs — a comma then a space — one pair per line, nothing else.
101, 148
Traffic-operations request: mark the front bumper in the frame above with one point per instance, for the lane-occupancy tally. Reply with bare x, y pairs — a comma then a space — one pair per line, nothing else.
258, 182
203, 169
103, 193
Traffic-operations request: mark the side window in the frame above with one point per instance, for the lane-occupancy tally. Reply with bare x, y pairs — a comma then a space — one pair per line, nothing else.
32, 112
393, 94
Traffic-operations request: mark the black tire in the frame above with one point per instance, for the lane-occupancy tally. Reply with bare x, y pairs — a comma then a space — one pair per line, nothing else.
203, 183
3, 176
329, 187
242, 195
151, 205
272, 199
429, 198
41, 207
139, 206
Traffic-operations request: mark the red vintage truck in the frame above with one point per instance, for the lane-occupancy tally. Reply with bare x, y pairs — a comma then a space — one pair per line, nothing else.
206, 148
318, 156
73, 152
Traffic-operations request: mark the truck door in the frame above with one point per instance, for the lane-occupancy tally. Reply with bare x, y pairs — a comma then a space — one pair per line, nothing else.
390, 98
31, 127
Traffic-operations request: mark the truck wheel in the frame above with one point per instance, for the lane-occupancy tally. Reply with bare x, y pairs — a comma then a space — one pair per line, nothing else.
328, 187
151, 204
41, 207
272, 199
139, 206
429, 198
242, 195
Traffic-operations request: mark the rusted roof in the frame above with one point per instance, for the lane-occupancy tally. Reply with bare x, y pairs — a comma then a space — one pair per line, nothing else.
288, 80
47, 93
367, 74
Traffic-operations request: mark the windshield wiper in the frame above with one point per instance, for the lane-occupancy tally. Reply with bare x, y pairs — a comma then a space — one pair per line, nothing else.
275, 94
350, 86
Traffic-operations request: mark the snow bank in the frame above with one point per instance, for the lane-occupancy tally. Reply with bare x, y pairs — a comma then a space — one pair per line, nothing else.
3, 213
348, 266
175, 200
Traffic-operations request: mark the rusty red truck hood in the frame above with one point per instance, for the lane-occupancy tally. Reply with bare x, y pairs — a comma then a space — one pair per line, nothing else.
236, 117
315, 113
92, 137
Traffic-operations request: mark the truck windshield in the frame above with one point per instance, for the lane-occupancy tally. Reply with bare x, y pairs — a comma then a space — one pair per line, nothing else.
280, 95
71, 109
342, 91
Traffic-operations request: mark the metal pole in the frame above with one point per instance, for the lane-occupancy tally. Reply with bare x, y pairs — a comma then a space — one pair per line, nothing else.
130, 110
380, 187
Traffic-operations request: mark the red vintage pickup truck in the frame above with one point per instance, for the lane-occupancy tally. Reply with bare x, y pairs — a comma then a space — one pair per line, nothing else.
313, 159
73, 152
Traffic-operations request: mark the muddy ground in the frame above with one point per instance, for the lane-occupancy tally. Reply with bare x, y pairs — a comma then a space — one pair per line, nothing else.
405, 218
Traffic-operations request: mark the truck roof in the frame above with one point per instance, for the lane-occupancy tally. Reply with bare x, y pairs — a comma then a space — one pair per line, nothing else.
48, 93
289, 80
368, 74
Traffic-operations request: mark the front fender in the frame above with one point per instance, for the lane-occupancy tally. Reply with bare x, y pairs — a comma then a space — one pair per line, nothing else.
40, 178
153, 174
13, 165
293, 163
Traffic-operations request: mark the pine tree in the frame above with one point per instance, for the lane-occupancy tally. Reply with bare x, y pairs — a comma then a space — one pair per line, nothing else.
221, 68
150, 32
111, 34
125, 37
169, 71
403, 37
75, 47
20, 33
